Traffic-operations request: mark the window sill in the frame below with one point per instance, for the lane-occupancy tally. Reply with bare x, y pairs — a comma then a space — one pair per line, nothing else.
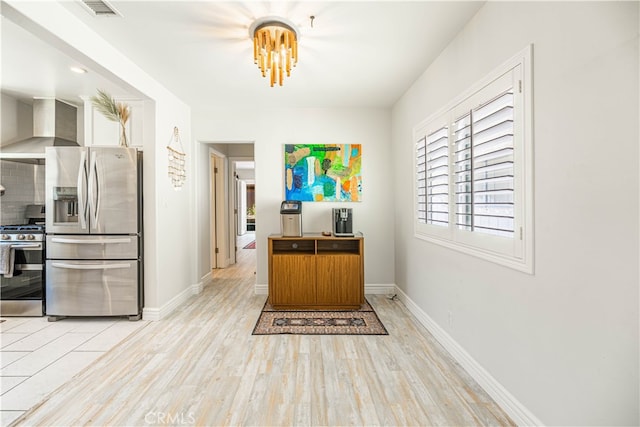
523, 265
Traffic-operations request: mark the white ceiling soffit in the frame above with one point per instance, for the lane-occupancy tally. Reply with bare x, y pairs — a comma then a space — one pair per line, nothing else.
100, 8
32, 67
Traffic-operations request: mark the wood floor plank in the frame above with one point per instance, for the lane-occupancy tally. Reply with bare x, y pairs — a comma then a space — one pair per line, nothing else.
201, 366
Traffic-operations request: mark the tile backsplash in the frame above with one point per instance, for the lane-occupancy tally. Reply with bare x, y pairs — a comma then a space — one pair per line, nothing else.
24, 185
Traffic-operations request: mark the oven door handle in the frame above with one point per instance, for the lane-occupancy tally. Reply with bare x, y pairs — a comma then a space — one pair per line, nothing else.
91, 266
90, 241
25, 246
28, 267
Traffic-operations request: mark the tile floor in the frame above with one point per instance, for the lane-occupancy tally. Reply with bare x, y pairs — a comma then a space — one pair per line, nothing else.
37, 356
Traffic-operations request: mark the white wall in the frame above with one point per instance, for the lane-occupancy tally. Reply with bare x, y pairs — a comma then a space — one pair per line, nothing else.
369, 127
203, 211
17, 123
563, 341
168, 215
246, 174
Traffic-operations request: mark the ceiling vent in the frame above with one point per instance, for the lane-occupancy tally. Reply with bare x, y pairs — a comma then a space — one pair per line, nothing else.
100, 8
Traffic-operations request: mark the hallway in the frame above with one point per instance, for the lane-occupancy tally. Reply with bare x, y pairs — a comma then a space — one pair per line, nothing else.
202, 366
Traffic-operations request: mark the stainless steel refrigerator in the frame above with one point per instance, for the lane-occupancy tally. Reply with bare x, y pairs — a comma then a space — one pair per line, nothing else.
93, 232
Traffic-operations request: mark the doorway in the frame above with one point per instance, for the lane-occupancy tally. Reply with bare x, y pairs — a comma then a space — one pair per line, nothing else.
230, 163
245, 199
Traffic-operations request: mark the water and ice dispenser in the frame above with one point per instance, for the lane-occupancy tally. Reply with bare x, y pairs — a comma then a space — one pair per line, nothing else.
291, 218
65, 202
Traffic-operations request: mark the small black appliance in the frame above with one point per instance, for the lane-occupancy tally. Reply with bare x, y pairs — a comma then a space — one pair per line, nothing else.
342, 222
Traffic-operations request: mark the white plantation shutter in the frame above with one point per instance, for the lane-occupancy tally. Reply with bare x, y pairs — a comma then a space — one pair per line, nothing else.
474, 170
437, 177
493, 179
421, 180
463, 172
484, 168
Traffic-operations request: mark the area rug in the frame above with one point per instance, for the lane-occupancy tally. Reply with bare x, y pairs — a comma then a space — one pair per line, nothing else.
364, 321
251, 245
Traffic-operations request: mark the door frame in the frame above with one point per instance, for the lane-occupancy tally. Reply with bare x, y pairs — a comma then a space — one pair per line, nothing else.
241, 211
218, 203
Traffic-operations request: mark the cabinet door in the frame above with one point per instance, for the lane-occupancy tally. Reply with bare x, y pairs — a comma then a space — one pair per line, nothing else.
293, 278
338, 280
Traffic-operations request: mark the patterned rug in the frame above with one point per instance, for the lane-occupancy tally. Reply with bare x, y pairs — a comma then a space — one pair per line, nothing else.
315, 322
251, 245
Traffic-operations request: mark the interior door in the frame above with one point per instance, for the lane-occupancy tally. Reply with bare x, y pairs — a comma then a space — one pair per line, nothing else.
218, 224
221, 215
212, 210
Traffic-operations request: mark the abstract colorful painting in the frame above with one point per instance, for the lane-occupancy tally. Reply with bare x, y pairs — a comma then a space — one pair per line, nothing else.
323, 172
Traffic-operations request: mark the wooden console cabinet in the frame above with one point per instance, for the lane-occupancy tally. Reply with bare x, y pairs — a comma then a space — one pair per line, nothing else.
316, 272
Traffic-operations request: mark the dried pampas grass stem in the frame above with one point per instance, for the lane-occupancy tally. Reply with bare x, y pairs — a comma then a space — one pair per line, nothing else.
112, 110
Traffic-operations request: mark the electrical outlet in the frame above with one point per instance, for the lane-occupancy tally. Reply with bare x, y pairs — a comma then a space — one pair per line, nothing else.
450, 318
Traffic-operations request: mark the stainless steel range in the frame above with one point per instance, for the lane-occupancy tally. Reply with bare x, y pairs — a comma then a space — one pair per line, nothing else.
22, 249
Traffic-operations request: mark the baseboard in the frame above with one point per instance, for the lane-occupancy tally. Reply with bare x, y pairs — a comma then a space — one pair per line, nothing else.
379, 289
373, 289
206, 277
153, 313
516, 410
197, 288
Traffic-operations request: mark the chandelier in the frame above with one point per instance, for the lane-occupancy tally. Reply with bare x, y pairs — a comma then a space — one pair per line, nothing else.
275, 48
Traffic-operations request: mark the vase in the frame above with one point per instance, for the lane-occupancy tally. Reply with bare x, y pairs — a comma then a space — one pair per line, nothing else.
123, 135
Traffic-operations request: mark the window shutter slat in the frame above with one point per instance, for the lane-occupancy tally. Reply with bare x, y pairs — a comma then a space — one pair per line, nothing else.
437, 180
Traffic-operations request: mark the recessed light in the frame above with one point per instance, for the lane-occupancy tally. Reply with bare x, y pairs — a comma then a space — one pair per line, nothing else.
78, 70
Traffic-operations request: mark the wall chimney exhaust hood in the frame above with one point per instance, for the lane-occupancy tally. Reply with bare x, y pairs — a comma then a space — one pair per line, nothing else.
55, 124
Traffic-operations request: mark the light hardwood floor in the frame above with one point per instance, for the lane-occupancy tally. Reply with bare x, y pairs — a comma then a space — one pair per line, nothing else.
202, 366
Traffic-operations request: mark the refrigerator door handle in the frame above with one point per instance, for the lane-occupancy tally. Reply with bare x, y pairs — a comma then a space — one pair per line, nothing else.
90, 266
94, 190
82, 190
90, 241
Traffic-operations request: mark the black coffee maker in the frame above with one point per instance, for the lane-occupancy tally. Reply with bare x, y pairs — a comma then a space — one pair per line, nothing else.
342, 222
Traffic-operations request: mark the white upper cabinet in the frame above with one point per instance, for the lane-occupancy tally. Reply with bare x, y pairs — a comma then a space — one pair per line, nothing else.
102, 132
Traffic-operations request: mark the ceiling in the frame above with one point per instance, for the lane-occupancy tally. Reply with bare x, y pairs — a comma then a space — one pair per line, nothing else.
356, 54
